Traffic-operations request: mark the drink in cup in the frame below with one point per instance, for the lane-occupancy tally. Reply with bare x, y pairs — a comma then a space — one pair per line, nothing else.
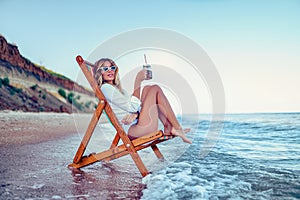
148, 68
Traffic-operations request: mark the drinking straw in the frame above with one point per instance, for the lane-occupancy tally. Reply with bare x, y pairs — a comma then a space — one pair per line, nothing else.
145, 58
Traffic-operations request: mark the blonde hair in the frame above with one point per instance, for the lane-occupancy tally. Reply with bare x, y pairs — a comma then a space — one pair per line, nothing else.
98, 75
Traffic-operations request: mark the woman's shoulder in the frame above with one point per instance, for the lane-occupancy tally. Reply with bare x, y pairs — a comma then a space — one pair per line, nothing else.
110, 89
107, 86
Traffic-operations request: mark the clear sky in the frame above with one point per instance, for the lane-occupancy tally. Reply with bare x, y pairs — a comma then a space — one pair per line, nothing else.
255, 44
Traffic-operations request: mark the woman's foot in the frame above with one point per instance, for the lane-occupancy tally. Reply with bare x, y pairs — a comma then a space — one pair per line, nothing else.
181, 133
168, 132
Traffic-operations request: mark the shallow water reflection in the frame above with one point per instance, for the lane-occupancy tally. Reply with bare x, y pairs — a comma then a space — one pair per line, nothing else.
39, 171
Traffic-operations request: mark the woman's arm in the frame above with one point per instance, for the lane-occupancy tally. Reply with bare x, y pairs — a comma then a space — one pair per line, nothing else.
137, 83
129, 118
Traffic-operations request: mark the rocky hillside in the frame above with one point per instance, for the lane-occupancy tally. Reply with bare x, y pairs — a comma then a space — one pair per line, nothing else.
29, 87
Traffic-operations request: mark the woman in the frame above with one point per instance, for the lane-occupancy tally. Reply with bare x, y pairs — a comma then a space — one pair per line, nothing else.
139, 112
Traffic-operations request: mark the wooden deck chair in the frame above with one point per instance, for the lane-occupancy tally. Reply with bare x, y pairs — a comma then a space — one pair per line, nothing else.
115, 151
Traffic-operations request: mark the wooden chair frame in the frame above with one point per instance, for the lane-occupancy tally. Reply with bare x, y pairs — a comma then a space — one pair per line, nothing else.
115, 151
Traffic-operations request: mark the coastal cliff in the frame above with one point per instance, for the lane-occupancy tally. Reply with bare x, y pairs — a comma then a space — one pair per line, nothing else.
26, 86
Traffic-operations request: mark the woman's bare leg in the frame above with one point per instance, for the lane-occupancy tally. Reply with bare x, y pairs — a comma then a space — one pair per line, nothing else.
166, 109
161, 116
154, 102
167, 124
148, 119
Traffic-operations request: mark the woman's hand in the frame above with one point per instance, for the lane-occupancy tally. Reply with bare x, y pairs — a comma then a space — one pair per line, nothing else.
129, 118
141, 75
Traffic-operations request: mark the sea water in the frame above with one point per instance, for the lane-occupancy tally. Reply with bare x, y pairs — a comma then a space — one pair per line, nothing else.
256, 156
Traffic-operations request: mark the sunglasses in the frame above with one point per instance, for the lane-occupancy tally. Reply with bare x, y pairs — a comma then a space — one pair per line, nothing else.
105, 69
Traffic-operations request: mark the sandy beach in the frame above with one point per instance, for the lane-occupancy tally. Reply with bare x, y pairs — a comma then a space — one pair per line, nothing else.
19, 128
35, 151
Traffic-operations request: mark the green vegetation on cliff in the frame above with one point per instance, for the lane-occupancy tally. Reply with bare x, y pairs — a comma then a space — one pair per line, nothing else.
51, 72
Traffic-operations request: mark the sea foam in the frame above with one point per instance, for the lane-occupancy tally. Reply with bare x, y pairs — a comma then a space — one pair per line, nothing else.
174, 182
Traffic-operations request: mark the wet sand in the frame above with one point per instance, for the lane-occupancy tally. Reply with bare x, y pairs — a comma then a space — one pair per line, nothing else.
35, 151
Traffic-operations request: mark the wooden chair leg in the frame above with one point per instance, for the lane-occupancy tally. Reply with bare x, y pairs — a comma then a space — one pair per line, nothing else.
139, 163
115, 141
89, 132
157, 152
